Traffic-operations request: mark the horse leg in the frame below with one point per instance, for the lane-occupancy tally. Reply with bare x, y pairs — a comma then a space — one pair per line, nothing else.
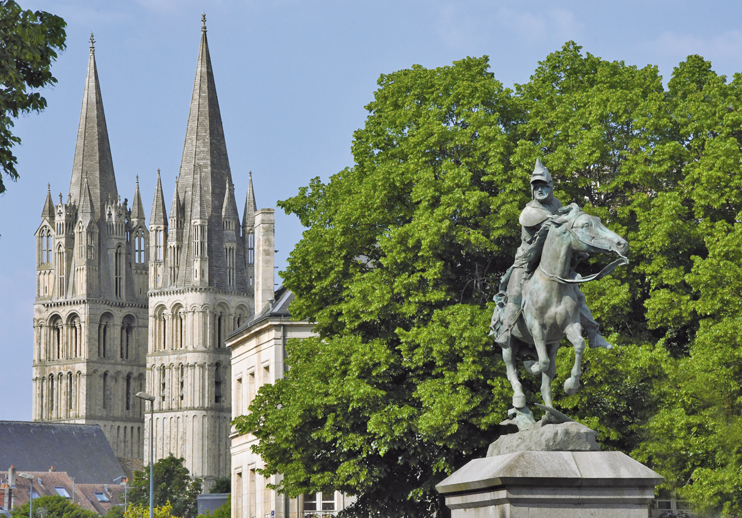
519, 398
548, 376
539, 341
574, 335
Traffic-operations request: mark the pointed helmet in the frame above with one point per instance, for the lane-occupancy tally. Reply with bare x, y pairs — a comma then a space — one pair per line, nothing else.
541, 174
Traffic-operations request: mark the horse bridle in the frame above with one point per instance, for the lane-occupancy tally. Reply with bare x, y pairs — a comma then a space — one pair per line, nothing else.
602, 273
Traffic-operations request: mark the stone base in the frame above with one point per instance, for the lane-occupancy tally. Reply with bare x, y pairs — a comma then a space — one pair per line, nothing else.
571, 436
554, 484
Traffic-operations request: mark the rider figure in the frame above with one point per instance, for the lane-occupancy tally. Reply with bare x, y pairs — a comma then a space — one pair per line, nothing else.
538, 212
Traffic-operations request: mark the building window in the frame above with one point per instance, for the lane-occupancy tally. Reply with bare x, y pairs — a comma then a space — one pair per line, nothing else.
128, 391
51, 394
229, 251
158, 245
80, 243
319, 502
105, 390
162, 383
199, 240
218, 383
69, 391
60, 270
139, 247
102, 339
182, 382
119, 272
219, 324
91, 245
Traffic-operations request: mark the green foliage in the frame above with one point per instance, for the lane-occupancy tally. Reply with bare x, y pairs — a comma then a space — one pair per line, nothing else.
403, 252
116, 512
223, 511
54, 507
222, 485
173, 486
31, 40
142, 511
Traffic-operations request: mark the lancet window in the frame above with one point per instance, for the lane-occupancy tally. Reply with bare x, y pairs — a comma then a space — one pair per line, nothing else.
119, 272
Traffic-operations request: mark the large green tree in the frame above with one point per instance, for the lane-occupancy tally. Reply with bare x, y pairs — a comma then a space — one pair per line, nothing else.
173, 485
403, 252
52, 507
30, 42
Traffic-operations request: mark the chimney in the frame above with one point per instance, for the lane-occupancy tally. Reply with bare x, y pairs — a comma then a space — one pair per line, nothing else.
11, 476
265, 257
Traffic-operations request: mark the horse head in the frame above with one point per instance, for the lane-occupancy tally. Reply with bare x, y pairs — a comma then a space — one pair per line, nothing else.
588, 233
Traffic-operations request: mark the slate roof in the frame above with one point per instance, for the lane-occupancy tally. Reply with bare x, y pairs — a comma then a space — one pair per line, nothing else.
46, 484
80, 450
279, 308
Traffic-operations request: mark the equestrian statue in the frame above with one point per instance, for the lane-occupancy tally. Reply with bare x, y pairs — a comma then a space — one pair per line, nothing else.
540, 300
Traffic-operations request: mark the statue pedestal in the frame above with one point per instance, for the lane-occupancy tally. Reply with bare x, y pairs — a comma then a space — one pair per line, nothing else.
554, 484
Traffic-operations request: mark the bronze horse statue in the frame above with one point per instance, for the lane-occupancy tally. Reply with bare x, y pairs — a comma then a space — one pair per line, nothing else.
551, 301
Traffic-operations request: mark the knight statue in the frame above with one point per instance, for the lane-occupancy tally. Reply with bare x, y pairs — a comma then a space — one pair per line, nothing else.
538, 213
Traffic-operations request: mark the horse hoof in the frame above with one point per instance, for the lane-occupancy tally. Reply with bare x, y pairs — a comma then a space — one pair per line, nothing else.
519, 401
570, 386
532, 367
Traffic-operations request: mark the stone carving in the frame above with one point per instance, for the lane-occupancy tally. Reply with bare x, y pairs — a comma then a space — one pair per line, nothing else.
570, 436
540, 301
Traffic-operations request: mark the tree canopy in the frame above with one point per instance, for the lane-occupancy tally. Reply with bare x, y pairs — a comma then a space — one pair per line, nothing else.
173, 487
403, 252
53, 507
31, 40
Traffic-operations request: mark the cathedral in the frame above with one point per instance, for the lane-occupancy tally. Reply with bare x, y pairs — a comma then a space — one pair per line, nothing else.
122, 306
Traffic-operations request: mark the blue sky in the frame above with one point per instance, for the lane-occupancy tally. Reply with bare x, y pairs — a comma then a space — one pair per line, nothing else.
293, 78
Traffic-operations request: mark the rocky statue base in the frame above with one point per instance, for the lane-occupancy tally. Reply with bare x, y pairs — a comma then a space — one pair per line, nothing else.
552, 471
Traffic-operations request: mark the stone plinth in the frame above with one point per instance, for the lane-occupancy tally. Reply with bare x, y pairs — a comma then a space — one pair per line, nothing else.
554, 484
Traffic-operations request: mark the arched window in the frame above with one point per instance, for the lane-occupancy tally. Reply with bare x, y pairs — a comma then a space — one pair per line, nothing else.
104, 331
178, 328
229, 252
128, 391
90, 244
139, 247
60, 270
57, 333
181, 376
51, 394
80, 238
46, 245
218, 383
162, 383
219, 328
158, 245
119, 272
127, 338
75, 337
105, 390
69, 391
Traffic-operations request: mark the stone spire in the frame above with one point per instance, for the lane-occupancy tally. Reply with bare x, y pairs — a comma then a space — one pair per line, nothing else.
159, 217
175, 206
48, 211
205, 150
229, 207
92, 160
87, 206
248, 218
137, 210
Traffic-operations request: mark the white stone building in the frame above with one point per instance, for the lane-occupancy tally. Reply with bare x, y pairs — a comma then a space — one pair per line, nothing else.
123, 307
258, 353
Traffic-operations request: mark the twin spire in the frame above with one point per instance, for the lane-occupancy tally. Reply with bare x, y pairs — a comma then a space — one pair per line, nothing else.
92, 163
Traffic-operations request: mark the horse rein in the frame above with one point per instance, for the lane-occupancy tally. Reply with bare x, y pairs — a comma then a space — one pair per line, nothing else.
602, 273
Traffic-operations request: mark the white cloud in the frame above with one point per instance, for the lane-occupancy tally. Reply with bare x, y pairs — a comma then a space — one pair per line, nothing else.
725, 45
461, 29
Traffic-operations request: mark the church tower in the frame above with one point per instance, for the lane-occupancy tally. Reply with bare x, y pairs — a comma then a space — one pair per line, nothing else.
199, 292
90, 313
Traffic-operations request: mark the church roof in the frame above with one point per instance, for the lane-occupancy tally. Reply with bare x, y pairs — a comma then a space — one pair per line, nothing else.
158, 217
248, 221
137, 210
48, 211
80, 450
175, 207
92, 161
